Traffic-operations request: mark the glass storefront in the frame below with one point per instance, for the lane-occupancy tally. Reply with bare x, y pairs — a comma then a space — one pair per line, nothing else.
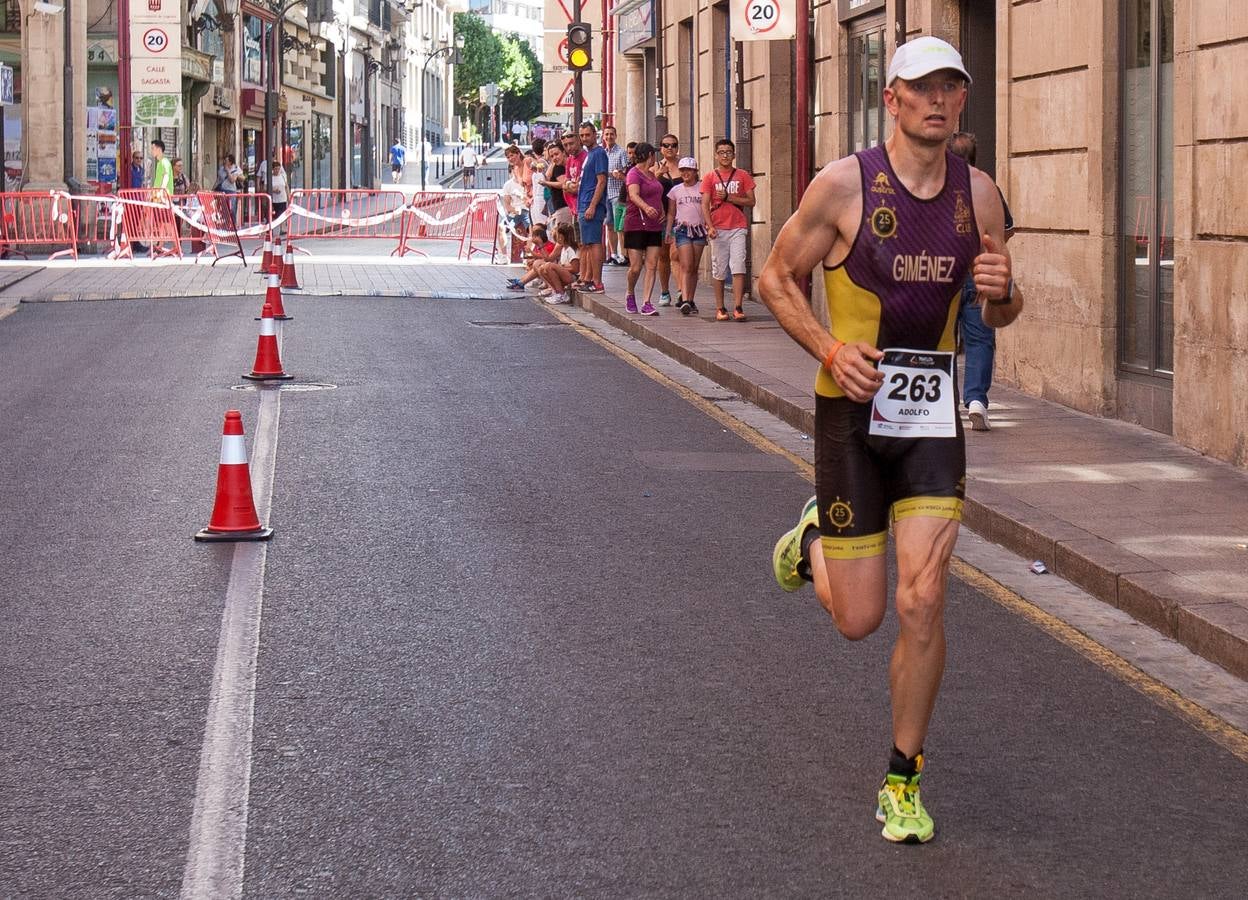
357, 154
293, 158
1146, 215
322, 151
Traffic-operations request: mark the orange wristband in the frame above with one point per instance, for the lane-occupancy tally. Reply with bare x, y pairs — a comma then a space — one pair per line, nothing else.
827, 360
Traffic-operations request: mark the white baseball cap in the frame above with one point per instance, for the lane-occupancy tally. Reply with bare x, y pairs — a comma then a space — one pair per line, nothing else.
687, 162
923, 56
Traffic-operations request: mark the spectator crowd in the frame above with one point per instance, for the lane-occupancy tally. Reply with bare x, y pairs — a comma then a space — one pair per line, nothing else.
582, 201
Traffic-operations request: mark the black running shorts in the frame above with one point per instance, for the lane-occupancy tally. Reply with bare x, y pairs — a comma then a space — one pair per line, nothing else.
863, 481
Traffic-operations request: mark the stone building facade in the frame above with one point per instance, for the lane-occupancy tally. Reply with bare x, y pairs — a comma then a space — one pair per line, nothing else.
227, 48
1116, 129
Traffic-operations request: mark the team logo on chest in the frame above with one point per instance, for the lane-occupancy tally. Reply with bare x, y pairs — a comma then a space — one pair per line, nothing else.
961, 214
882, 185
883, 222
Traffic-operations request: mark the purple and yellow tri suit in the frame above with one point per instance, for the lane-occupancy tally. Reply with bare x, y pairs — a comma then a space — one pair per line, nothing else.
899, 287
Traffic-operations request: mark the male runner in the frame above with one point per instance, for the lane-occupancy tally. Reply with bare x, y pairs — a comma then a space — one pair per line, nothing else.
897, 228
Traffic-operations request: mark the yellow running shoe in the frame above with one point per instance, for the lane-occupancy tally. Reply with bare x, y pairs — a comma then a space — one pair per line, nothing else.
901, 811
788, 551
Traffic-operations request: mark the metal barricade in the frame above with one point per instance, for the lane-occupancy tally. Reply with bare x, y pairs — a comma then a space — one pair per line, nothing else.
321, 213
253, 214
147, 218
481, 235
434, 216
34, 219
206, 219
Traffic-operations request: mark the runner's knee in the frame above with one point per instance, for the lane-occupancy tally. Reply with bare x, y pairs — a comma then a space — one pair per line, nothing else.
921, 605
855, 615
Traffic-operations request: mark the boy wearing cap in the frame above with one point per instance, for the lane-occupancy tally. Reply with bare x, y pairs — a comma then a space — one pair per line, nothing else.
688, 230
897, 228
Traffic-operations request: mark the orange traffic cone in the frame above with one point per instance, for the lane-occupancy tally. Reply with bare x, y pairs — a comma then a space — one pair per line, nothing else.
273, 298
268, 364
275, 259
290, 280
234, 511
266, 261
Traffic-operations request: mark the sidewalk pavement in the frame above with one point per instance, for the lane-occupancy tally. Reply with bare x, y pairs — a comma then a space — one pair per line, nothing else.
376, 276
1127, 514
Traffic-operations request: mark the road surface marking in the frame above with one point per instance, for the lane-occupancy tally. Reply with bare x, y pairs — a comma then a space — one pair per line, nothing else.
218, 842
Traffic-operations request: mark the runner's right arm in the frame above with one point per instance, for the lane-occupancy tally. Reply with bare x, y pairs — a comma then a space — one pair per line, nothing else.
824, 221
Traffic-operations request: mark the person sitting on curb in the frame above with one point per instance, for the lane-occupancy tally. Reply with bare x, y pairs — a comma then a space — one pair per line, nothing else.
559, 274
538, 251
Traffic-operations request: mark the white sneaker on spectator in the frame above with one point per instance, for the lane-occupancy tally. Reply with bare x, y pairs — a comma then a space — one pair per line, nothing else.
978, 414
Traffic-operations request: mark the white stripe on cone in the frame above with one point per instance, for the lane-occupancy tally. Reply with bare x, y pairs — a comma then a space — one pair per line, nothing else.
233, 450
267, 328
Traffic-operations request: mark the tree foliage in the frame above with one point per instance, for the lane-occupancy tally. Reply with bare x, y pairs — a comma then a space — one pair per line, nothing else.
481, 61
522, 79
505, 60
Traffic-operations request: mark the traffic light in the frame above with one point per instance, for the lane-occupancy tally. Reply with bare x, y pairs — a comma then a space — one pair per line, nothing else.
580, 47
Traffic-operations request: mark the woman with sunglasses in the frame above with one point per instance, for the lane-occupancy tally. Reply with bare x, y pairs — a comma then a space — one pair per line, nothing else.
643, 227
667, 169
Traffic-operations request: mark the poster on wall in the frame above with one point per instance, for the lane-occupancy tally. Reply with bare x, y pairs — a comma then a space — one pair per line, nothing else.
101, 140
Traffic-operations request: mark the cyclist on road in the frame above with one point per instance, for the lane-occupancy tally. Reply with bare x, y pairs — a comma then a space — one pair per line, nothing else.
897, 228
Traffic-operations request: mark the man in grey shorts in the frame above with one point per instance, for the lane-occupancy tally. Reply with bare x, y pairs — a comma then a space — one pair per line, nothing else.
617, 162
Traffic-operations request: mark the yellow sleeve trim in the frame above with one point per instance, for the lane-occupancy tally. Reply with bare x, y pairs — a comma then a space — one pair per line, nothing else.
934, 507
862, 547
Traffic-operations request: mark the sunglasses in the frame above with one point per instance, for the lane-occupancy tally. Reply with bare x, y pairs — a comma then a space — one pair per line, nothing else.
669, 146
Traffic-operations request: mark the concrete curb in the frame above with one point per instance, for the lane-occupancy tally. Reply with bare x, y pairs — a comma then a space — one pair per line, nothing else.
1105, 570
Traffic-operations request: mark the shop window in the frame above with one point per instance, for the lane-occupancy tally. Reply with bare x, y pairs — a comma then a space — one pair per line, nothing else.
1146, 190
329, 78
209, 33
322, 151
10, 17
866, 83
253, 41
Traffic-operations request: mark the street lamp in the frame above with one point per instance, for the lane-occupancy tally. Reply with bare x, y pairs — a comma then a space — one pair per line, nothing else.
453, 50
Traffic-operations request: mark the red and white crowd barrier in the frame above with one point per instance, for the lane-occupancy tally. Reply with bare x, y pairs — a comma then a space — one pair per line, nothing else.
216, 224
30, 219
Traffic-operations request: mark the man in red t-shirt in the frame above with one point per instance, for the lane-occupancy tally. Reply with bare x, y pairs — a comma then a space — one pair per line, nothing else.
726, 193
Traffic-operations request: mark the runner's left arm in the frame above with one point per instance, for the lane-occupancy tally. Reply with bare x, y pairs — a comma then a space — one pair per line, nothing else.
1000, 299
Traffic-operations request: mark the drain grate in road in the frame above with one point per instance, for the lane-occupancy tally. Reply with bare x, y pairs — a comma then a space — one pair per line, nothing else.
501, 324
286, 388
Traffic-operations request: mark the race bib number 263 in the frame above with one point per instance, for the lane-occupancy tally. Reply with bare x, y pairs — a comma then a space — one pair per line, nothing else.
917, 398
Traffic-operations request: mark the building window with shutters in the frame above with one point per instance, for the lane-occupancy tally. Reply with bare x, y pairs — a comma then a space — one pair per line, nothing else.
1146, 189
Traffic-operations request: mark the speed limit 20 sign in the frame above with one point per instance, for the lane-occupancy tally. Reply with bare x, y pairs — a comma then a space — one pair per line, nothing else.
155, 40
763, 20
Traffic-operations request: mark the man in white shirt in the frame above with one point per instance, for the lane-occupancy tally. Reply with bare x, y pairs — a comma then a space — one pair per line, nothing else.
468, 159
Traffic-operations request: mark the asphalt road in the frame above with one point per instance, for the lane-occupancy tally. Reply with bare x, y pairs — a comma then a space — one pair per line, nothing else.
520, 638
